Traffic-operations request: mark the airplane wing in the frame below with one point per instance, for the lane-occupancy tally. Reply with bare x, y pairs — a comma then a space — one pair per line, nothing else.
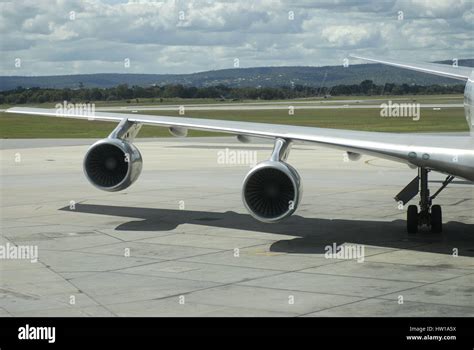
459, 72
397, 147
278, 181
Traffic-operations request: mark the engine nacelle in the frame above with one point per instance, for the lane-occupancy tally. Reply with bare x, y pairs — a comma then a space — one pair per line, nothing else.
272, 191
112, 164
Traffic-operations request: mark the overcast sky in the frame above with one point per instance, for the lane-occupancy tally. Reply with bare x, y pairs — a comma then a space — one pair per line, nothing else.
51, 37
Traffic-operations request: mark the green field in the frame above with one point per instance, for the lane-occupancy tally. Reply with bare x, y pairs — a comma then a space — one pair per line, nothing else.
452, 119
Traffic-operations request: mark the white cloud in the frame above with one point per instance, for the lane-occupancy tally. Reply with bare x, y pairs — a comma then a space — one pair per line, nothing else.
159, 38
350, 35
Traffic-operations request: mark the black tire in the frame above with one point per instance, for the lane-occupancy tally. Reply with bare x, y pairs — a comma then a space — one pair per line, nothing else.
412, 219
436, 219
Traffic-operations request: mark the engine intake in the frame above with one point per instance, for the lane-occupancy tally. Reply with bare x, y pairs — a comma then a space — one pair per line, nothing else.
112, 164
272, 191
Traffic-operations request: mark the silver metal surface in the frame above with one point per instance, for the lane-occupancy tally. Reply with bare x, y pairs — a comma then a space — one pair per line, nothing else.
450, 155
443, 70
126, 130
132, 156
290, 173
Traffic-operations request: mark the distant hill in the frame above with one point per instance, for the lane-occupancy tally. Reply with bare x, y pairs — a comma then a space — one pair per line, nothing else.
240, 77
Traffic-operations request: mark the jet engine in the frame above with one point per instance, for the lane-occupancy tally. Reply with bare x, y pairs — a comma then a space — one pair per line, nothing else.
272, 191
112, 164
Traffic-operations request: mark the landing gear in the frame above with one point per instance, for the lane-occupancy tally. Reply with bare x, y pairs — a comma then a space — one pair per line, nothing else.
436, 219
412, 219
429, 215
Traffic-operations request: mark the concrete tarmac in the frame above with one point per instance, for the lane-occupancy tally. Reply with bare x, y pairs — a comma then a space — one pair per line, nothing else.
179, 241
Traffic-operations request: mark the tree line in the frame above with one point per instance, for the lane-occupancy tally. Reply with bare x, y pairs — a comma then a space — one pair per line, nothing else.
131, 94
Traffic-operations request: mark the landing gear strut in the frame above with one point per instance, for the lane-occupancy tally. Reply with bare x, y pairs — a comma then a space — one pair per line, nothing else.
429, 215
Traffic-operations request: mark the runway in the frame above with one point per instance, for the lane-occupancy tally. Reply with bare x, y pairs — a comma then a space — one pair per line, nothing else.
375, 103
263, 107
179, 242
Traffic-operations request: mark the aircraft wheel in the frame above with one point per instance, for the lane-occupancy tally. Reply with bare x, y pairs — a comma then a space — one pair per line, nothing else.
436, 219
412, 219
